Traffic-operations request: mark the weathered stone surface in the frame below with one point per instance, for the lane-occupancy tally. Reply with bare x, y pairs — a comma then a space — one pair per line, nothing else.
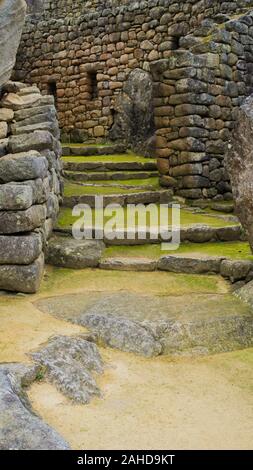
17, 102
75, 254
128, 264
37, 140
20, 428
22, 166
12, 15
198, 234
239, 165
22, 249
134, 119
121, 333
184, 324
70, 363
22, 221
15, 196
6, 114
3, 130
235, 270
17, 278
191, 265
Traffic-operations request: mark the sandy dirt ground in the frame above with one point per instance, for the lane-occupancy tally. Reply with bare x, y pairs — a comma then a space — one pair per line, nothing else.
159, 403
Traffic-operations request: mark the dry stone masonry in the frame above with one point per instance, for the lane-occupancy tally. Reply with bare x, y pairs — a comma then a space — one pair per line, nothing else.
30, 184
198, 57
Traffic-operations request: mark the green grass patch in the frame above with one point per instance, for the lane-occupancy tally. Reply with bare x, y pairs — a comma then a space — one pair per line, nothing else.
233, 250
117, 158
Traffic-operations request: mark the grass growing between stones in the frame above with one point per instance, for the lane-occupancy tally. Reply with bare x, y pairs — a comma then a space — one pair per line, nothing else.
128, 157
152, 182
188, 218
234, 250
73, 189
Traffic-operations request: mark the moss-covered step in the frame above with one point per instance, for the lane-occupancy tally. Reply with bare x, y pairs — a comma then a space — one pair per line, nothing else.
151, 184
195, 228
151, 313
236, 250
104, 163
93, 149
183, 261
79, 194
126, 176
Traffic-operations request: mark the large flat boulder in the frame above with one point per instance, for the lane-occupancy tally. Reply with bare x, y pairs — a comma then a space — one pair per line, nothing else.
239, 165
12, 15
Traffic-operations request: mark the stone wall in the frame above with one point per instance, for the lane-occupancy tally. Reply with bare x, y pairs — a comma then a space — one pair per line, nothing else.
30, 184
198, 54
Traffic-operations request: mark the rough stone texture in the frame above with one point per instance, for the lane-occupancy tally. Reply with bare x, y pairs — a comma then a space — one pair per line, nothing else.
15, 197
21, 278
191, 265
12, 16
121, 333
179, 324
20, 428
239, 164
128, 264
22, 167
75, 254
236, 270
134, 113
22, 221
23, 249
70, 363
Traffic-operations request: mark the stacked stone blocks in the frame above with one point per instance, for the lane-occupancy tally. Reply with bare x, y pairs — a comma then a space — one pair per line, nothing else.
30, 184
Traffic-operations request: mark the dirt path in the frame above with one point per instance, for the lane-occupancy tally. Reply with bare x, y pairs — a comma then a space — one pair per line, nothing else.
159, 404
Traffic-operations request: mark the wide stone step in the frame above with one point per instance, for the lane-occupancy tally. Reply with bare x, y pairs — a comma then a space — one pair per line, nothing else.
104, 166
123, 198
109, 176
197, 228
93, 149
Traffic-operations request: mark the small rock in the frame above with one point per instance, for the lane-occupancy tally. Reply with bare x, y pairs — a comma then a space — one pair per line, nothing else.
191, 265
69, 363
75, 254
236, 270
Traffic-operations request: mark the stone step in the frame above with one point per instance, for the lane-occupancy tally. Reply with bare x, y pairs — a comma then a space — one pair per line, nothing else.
92, 149
104, 166
128, 264
134, 238
109, 176
146, 184
126, 196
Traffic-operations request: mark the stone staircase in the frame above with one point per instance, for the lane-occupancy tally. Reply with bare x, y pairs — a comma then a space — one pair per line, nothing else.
112, 172
212, 240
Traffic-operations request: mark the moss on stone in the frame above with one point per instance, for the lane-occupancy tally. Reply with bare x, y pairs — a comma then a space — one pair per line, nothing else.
233, 250
74, 189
